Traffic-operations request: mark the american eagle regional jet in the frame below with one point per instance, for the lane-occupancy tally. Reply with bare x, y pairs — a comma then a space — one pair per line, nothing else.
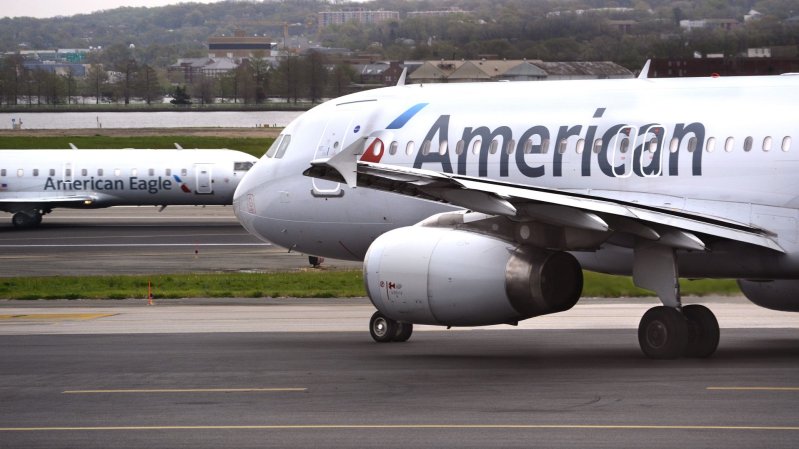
480, 204
34, 182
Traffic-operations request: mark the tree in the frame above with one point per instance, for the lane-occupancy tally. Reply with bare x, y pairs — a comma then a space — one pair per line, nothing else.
180, 97
95, 82
148, 88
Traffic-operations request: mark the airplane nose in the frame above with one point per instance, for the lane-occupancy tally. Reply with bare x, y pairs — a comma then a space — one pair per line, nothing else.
244, 206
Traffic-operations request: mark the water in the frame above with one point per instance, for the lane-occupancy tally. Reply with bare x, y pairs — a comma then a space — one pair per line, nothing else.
78, 120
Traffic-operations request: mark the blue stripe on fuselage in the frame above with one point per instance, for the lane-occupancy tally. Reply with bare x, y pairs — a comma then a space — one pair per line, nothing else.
400, 121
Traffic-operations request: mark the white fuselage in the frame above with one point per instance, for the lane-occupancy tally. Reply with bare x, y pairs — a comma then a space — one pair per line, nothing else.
43, 179
720, 147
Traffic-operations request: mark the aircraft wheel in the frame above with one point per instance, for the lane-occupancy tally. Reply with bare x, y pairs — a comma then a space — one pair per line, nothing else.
703, 331
663, 333
23, 220
383, 329
404, 331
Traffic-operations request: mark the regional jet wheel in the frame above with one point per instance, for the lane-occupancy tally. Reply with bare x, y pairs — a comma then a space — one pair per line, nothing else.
703, 331
663, 333
23, 220
404, 331
383, 329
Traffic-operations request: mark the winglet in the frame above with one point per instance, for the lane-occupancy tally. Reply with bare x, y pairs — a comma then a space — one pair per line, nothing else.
645, 71
401, 80
72, 145
177, 146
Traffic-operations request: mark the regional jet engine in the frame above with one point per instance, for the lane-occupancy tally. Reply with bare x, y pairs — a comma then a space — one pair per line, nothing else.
452, 277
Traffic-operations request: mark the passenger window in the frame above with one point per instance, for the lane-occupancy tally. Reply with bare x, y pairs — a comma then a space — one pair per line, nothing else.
35, 172
729, 144
392, 149
240, 166
377, 147
597, 146
134, 172
493, 147
544, 146
459, 147
528, 146
476, 146
653, 144
151, 172
580, 146
409, 148
748, 143
168, 172
68, 172
84, 172
273, 148
510, 146
562, 146
52, 172
117, 172
711, 144
426, 147
20, 172
767, 143
3, 172
674, 145
99, 172
786, 143
692, 146
442, 147
625, 145
184, 172
284, 144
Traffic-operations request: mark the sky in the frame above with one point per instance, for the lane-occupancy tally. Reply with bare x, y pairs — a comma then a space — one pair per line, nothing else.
51, 8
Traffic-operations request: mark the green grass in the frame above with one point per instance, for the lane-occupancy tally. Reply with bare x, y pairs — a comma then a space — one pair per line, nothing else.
254, 146
310, 284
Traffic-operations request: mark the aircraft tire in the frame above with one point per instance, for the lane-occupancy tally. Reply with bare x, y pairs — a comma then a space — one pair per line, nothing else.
382, 328
22, 220
703, 331
663, 333
404, 331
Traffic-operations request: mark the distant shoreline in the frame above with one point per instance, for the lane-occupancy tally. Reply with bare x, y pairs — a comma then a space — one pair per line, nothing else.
122, 132
226, 107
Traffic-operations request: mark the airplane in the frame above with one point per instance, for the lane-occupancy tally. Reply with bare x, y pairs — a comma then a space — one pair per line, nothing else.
477, 204
34, 182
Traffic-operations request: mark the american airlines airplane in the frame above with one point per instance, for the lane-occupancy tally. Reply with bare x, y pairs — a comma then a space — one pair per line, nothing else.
34, 182
480, 204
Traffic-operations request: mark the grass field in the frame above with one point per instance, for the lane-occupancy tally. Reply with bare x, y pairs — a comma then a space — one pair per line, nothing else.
306, 284
254, 146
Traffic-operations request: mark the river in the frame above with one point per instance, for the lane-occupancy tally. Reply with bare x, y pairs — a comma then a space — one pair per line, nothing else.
79, 120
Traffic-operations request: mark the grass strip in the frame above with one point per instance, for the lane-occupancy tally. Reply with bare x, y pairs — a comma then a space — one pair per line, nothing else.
304, 284
255, 146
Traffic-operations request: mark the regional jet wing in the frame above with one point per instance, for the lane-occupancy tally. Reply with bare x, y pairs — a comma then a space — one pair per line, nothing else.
675, 228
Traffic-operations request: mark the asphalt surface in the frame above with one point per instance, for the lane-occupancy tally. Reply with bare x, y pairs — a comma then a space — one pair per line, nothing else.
289, 385
141, 240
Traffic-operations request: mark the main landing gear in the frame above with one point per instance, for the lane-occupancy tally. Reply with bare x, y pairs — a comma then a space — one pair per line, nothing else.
385, 330
667, 333
24, 220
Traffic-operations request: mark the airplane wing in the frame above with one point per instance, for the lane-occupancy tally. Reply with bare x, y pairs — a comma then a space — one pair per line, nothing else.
675, 228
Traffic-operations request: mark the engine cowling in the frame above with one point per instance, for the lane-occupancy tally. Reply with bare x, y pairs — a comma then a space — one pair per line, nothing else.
451, 277
782, 295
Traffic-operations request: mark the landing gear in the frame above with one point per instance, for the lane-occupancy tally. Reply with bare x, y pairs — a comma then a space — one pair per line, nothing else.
663, 333
703, 331
384, 329
26, 220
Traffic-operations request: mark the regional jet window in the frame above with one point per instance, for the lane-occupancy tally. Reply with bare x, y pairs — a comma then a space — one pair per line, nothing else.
134, 172
84, 172
767, 143
476, 146
68, 172
786, 143
168, 172
711, 144
493, 147
409, 148
117, 172
275, 145
184, 172
284, 144
459, 147
597, 146
99, 172
151, 172
748, 143
729, 144
3, 172
52, 172
580, 146
240, 166
35, 172
20, 172
392, 149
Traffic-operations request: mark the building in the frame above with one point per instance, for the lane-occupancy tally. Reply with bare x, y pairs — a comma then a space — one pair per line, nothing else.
447, 12
712, 24
240, 46
675, 68
327, 18
449, 71
381, 73
188, 70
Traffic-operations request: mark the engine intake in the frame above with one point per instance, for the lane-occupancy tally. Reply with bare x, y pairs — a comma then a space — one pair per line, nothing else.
451, 277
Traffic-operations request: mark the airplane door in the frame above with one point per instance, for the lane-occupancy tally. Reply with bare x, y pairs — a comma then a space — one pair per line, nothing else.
337, 135
203, 174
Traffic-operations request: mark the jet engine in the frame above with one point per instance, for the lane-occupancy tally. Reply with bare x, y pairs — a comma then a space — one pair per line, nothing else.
782, 295
451, 277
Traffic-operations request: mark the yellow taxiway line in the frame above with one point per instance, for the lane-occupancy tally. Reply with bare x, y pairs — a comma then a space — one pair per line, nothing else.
407, 427
188, 390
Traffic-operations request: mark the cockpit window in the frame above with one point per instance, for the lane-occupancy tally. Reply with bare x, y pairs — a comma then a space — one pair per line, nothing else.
242, 166
283, 145
275, 145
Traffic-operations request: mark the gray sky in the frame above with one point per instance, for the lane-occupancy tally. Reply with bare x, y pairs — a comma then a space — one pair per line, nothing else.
51, 8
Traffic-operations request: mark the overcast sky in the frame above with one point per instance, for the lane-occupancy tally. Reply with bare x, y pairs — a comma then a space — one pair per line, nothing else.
51, 8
